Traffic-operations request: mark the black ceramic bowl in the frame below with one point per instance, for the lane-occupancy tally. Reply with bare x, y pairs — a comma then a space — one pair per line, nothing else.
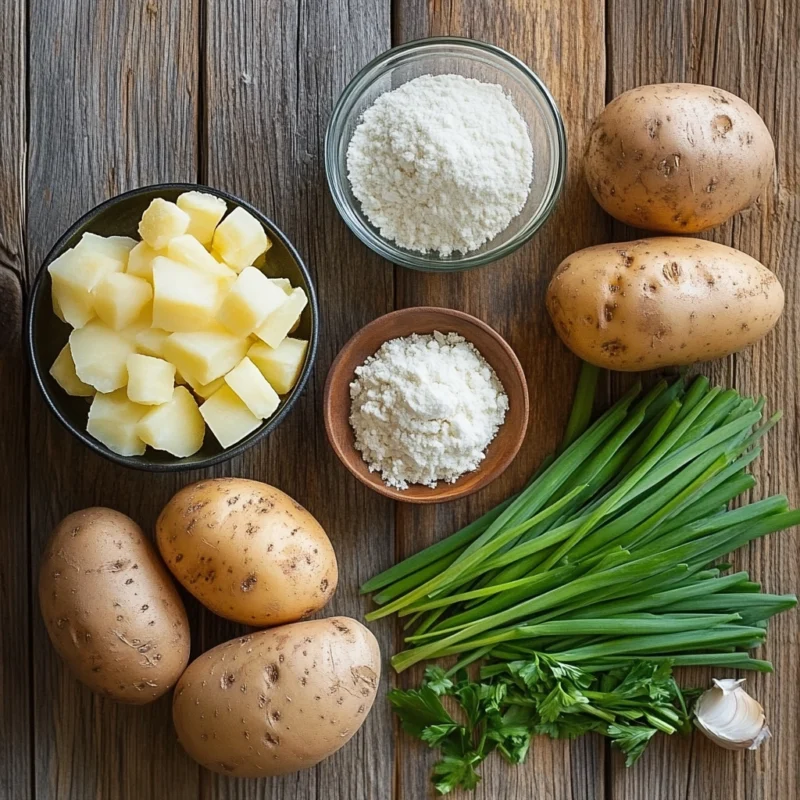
46, 334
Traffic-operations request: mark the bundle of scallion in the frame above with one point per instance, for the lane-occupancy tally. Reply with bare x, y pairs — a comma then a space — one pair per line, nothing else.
605, 560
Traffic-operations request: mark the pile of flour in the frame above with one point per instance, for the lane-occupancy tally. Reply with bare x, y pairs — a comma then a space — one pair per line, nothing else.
443, 163
424, 409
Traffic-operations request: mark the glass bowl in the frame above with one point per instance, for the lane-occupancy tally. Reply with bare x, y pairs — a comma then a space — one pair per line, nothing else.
472, 59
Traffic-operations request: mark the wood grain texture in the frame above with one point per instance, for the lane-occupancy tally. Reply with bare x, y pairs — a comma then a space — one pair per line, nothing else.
563, 43
113, 105
273, 72
748, 48
15, 657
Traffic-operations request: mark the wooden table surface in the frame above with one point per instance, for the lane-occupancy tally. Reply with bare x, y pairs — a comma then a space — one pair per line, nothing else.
100, 96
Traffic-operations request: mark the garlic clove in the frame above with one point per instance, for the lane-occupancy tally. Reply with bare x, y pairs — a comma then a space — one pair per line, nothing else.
728, 716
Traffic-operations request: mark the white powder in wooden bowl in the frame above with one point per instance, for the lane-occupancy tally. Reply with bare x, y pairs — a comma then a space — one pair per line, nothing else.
443, 163
424, 409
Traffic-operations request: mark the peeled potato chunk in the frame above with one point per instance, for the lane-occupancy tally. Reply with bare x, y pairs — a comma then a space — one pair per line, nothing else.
100, 355
150, 341
250, 300
184, 298
284, 283
239, 239
162, 221
277, 325
151, 381
253, 389
228, 417
205, 390
120, 298
63, 371
175, 427
205, 355
113, 419
205, 211
74, 274
280, 365
116, 247
187, 250
140, 261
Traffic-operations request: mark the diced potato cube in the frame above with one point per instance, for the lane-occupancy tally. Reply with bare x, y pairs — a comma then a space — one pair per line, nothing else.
120, 298
239, 239
228, 417
205, 211
253, 389
280, 365
56, 307
150, 342
176, 426
284, 283
150, 380
63, 371
100, 356
113, 420
187, 250
204, 356
205, 390
277, 325
116, 247
250, 300
184, 298
74, 274
162, 221
140, 261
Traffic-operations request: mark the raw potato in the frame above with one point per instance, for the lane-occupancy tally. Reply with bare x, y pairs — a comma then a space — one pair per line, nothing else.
110, 608
247, 551
63, 371
116, 247
661, 302
188, 250
277, 701
678, 157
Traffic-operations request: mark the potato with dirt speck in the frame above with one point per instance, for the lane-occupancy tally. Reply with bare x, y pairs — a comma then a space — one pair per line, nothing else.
279, 700
110, 607
661, 302
678, 157
247, 551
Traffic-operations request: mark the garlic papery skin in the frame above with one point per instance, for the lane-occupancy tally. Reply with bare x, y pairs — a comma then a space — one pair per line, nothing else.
730, 717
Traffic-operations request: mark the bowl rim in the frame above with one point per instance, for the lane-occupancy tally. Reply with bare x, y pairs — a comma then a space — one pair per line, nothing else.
367, 234
397, 494
227, 453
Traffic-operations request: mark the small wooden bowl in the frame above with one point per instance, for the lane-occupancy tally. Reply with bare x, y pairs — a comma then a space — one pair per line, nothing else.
423, 320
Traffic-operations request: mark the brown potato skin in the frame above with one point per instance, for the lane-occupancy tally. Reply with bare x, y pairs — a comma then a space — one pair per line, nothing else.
110, 607
661, 302
678, 157
279, 700
247, 551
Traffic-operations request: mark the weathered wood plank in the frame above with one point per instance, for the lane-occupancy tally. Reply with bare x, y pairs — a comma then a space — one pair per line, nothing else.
15, 657
748, 48
113, 105
563, 43
273, 73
